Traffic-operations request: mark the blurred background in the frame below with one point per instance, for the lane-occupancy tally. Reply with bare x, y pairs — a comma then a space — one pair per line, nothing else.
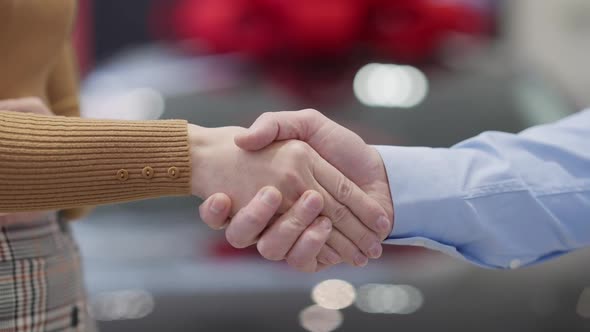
405, 72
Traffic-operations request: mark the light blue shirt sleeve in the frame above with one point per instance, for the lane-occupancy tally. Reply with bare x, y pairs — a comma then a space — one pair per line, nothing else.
498, 200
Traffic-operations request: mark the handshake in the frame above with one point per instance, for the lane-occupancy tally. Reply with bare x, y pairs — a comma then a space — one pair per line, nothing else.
307, 190
298, 185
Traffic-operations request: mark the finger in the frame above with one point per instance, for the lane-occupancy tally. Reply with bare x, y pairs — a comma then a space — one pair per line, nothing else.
246, 226
329, 256
314, 128
277, 240
360, 237
273, 126
216, 210
352, 211
28, 105
303, 254
347, 250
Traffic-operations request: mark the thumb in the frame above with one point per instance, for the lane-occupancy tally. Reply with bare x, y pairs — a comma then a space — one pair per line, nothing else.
263, 132
215, 211
278, 126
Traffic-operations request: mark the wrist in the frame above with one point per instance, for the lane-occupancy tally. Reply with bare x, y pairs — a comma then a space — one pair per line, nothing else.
199, 147
383, 183
212, 152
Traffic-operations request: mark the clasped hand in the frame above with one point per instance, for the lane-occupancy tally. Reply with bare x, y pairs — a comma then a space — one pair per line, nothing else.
297, 184
300, 186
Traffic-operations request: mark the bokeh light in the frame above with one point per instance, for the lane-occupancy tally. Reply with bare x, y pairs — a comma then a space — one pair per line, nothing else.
389, 299
133, 104
119, 305
388, 85
318, 319
334, 294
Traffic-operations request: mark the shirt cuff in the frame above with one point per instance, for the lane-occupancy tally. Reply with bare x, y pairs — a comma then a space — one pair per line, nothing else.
428, 189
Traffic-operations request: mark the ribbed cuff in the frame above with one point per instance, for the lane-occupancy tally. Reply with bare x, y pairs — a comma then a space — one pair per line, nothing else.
49, 163
426, 191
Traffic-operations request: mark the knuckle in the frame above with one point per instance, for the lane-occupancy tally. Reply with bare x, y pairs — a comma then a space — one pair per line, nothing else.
298, 149
297, 224
366, 238
339, 214
311, 113
293, 179
266, 116
250, 219
344, 190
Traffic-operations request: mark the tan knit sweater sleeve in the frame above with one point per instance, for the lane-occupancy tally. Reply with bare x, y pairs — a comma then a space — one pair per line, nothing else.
53, 163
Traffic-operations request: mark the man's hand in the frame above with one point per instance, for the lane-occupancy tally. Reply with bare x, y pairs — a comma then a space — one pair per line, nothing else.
293, 168
339, 146
299, 235
26, 105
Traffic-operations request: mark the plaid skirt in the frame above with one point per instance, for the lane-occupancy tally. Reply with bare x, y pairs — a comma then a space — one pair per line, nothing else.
41, 286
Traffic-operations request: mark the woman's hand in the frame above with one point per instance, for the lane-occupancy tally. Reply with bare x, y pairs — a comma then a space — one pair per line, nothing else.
26, 105
293, 168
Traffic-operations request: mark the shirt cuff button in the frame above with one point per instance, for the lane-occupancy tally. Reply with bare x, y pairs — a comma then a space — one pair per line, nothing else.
173, 172
147, 172
122, 175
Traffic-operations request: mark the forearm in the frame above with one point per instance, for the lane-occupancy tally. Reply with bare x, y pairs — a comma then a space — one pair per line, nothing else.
51, 163
498, 200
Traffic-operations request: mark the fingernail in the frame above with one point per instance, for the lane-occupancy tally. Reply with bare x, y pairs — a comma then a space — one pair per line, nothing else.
383, 224
216, 206
361, 260
311, 202
376, 250
270, 197
333, 258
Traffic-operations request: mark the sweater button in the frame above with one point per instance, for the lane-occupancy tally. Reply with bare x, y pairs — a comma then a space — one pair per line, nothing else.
147, 172
122, 175
173, 172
